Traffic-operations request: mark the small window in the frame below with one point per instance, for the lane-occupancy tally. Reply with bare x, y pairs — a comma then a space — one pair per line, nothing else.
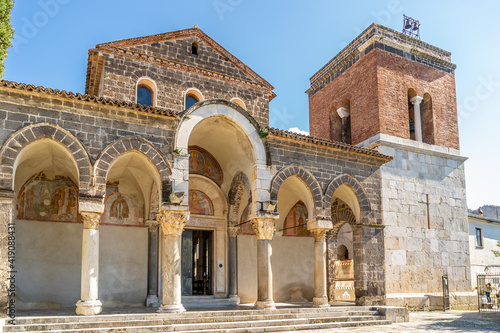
144, 96
479, 237
190, 101
194, 49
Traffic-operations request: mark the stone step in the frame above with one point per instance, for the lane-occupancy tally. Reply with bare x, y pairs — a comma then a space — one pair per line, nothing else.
313, 317
26, 320
247, 328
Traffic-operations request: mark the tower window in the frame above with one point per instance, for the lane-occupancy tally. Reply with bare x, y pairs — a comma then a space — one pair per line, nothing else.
194, 49
192, 96
144, 96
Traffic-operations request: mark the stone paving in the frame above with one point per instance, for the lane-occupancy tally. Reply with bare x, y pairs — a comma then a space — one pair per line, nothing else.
435, 321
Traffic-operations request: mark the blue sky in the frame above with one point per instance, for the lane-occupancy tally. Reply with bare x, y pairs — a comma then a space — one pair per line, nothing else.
285, 42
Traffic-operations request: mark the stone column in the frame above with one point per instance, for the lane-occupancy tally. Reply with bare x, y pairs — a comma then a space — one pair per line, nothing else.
152, 299
343, 114
264, 227
89, 303
233, 262
8, 267
172, 219
369, 264
319, 229
418, 122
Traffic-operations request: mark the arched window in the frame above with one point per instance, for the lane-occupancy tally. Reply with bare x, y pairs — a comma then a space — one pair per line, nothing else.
194, 49
144, 96
295, 221
340, 123
146, 92
238, 102
427, 120
192, 96
342, 253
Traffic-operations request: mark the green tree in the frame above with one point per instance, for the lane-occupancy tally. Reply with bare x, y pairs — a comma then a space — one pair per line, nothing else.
6, 31
497, 253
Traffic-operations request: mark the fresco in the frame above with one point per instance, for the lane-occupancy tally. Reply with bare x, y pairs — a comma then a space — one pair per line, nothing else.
121, 209
46, 199
200, 203
295, 221
245, 228
203, 163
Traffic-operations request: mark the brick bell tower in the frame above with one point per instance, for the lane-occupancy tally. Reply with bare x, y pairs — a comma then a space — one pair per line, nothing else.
391, 92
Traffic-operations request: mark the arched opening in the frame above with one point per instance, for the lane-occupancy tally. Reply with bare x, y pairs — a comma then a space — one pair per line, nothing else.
194, 49
411, 113
146, 92
346, 212
340, 123
48, 235
427, 120
238, 102
191, 97
293, 245
132, 197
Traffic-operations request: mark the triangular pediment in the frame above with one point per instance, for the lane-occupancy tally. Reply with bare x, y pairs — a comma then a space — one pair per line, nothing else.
175, 47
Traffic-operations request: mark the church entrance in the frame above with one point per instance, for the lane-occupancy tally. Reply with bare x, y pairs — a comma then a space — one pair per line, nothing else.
197, 262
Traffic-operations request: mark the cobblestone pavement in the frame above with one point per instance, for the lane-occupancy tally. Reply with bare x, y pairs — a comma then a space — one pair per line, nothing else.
435, 321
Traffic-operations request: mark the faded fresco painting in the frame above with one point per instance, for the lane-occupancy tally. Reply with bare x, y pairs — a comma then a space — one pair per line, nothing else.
46, 199
245, 225
201, 162
200, 203
121, 209
296, 220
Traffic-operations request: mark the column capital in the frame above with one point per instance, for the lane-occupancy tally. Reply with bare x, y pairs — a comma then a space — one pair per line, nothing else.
91, 220
172, 221
416, 100
264, 226
319, 234
152, 225
233, 231
343, 112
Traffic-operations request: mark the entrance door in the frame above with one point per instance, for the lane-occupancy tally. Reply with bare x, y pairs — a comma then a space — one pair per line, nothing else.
196, 262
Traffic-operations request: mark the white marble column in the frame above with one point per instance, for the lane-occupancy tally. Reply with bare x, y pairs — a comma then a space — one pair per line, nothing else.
172, 219
89, 303
343, 114
264, 228
232, 233
319, 229
152, 299
417, 119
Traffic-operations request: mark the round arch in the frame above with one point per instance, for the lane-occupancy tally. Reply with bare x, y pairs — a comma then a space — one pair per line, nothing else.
239, 186
9, 153
121, 146
306, 177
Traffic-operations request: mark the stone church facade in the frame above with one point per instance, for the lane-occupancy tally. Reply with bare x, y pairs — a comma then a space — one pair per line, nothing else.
163, 184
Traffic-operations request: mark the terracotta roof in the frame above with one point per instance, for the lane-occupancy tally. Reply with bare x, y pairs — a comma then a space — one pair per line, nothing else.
192, 32
333, 144
88, 98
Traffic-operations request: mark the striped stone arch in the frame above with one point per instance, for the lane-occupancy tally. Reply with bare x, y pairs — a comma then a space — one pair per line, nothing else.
134, 143
19, 139
341, 214
357, 188
306, 176
239, 185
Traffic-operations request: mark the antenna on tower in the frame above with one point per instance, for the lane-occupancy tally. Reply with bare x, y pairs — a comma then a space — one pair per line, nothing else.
411, 27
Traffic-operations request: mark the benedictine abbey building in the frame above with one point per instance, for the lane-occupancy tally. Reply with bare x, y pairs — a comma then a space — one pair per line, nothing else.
163, 184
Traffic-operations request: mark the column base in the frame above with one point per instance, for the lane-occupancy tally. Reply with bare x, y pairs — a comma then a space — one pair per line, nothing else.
171, 309
153, 301
321, 302
234, 298
265, 305
88, 308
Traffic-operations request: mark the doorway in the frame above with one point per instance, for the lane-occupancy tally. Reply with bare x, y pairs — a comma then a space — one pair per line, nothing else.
196, 262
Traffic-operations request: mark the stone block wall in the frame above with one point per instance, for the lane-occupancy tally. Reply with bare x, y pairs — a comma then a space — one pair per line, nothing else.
425, 216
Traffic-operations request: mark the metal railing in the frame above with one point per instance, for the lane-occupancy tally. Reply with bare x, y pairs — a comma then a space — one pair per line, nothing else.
488, 292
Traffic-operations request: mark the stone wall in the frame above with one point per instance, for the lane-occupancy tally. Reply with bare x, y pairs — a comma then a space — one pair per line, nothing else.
426, 235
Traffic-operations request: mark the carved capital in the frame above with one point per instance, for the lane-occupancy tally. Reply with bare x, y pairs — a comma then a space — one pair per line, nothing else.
264, 227
232, 231
152, 225
416, 100
319, 234
90, 220
172, 222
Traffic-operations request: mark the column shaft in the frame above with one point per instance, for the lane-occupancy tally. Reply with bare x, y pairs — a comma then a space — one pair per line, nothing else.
89, 303
152, 299
320, 296
418, 122
233, 262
